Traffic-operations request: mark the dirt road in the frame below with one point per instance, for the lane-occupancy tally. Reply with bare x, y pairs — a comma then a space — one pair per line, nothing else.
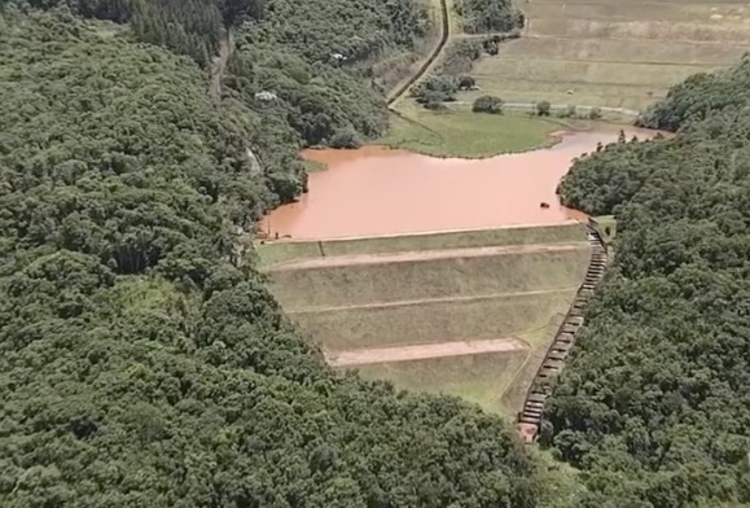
428, 62
218, 65
428, 255
422, 351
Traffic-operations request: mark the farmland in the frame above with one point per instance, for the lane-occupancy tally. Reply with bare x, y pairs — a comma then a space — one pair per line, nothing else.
615, 54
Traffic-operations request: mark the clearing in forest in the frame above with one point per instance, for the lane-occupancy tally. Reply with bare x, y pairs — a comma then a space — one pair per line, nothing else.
612, 53
465, 313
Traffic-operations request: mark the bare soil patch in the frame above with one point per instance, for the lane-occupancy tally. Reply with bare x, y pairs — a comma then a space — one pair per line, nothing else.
422, 351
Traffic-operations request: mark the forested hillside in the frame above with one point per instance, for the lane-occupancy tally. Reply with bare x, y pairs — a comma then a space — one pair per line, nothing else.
305, 69
655, 405
489, 16
317, 59
354, 29
142, 361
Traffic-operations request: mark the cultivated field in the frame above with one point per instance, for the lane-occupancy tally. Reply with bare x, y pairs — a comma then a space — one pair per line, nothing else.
613, 53
466, 313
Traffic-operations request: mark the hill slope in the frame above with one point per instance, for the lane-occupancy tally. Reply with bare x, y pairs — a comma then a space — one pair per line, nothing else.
142, 364
655, 405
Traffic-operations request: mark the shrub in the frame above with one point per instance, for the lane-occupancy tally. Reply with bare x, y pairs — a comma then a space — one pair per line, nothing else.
488, 104
569, 112
435, 88
345, 138
543, 108
466, 82
595, 113
435, 106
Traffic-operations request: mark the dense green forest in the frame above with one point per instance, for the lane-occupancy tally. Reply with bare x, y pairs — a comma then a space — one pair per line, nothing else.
342, 31
142, 361
305, 69
489, 16
317, 58
655, 404
190, 27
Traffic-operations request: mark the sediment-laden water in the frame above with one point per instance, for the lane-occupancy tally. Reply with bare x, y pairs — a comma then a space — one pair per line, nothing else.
376, 191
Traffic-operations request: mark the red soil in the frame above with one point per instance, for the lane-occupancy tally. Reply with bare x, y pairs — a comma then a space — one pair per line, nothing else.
422, 351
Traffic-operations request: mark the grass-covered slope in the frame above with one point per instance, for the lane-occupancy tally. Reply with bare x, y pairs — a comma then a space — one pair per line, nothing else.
456, 275
417, 302
141, 363
449, 319
655, 405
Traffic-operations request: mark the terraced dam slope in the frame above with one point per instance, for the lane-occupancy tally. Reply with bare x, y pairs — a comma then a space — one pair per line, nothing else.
474, 321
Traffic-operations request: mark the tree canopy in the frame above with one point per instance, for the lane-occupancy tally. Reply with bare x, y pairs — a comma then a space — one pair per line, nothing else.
314, 59
655, 404
699, 96
355, 30
142, 361
489, 16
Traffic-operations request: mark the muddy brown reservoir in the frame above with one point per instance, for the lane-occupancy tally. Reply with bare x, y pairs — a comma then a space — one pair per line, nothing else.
376, 191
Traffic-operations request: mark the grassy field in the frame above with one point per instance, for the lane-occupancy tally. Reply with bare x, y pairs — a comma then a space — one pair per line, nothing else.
457, 132
412, 280
491, 380
431, 322
480, 379
277, 252
611, 53
437, 300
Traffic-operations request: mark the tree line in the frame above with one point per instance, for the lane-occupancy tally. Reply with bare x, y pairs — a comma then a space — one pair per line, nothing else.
655, 404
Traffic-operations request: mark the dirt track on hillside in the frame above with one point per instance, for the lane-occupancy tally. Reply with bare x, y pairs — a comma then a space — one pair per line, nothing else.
427, 255
218, 64
422, 351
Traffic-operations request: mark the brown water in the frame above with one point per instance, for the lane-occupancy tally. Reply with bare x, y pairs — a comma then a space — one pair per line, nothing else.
375, 191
